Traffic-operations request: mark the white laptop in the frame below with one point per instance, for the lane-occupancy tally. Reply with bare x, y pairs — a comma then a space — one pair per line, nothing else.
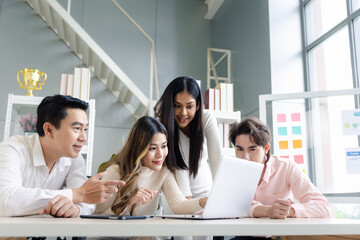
232, 192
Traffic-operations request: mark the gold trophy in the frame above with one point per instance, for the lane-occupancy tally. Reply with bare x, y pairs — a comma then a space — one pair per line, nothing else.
31, 80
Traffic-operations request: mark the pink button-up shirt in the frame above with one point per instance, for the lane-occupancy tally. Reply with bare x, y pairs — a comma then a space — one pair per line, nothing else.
283, 179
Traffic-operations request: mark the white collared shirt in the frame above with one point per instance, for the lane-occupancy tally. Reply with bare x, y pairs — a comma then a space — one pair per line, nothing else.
26, 186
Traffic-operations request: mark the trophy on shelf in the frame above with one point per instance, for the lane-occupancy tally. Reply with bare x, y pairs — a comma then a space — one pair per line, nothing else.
32, 79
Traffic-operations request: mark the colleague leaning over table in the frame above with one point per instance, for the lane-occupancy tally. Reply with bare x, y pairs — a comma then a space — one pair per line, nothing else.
45, 173
280, 178
141, 164
194, 142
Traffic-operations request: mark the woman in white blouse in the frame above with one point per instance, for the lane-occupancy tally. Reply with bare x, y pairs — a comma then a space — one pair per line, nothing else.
194, 143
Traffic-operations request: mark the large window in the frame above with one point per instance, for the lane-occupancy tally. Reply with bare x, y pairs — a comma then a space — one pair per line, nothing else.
323, 15
332, 58
309, 128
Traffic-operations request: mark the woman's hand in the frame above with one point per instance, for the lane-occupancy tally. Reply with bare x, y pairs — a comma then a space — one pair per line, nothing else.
142, 195
202, 201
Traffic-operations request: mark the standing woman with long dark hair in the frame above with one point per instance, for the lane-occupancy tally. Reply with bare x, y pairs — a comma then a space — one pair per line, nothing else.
194, 143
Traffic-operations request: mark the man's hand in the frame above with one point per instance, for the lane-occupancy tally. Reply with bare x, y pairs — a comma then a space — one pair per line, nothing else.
142, 195
96, 190
281, 208
60, 206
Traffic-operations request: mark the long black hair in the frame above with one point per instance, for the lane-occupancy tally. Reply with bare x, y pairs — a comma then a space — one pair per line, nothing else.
164, 111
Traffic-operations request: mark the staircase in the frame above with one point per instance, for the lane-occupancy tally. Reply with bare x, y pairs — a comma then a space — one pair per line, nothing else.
91, 54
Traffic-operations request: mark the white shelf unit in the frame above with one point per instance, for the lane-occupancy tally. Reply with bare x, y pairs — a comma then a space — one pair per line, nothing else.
227, 118
26, 104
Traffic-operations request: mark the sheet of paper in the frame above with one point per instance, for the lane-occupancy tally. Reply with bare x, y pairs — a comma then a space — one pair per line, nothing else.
352, 160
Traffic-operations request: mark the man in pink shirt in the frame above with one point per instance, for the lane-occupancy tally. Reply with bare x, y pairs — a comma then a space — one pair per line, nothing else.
281, 179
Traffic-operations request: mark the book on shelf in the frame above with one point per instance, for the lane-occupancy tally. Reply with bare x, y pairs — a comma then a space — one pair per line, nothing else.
63, 82
230, 97
221, 98
69, 84
224, 135
199, 83
209, 99
77, 83
85, 84
226, 97
217, 99
222, 88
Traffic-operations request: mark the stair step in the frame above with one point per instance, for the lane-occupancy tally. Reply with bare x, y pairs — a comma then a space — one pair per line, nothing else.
110, 81
87, 55
140, 111
59, 26
100, 68
35, 5
45, 13
89, 52
125, 95
116, 84
75, 41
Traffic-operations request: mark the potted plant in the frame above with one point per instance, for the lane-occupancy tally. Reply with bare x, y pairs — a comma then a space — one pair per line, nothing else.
28, 124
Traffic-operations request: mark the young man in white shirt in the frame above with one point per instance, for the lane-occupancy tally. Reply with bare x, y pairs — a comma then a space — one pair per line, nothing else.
45, 173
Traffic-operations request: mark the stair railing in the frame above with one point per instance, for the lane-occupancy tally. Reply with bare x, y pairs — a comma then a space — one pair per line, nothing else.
93, 56
153, 68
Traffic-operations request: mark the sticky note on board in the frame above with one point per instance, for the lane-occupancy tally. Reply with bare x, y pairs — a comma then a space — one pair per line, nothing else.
283, 145
282, 131
284, 156
299, 159
350, 122
296, 130
295, 117
297, 143
281, 117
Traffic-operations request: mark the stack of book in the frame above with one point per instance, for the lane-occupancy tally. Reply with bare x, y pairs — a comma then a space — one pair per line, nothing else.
77, 84
221, 98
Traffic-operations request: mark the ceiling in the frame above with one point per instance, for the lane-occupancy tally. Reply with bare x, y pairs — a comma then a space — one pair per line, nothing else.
213, 7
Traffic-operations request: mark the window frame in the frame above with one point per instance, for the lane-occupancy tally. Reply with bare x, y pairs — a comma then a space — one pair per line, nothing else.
353, 197
349, 23
308, 47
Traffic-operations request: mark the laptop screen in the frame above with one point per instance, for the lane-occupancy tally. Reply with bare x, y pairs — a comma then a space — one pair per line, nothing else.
233, 189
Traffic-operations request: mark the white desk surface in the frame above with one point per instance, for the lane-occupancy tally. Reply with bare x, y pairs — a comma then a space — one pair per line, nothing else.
35, 226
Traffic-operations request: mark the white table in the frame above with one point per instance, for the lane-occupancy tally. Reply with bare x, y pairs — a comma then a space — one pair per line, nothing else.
27, 226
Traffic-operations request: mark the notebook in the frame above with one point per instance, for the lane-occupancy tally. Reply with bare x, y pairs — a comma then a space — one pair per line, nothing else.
232, 192
115, 217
